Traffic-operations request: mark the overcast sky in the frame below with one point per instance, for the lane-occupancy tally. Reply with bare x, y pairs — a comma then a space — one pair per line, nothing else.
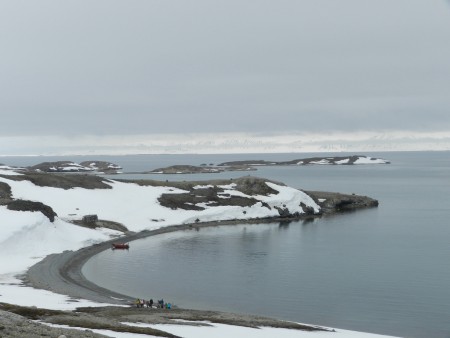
146, 67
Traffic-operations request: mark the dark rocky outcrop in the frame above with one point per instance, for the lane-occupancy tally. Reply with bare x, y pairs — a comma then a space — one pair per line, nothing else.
214, 194
5, 193
22, 205
332, 202
254, 186
63, 181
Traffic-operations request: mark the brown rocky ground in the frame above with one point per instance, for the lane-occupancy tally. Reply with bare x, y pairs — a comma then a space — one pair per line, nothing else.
19, 321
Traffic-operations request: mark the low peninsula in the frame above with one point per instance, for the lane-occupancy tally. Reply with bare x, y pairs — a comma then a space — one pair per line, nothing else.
53, 207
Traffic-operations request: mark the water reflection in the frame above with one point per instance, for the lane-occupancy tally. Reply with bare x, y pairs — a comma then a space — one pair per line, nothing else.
284, 225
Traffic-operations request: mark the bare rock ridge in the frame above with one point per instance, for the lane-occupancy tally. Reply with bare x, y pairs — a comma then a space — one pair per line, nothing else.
23, 205
333, 202
62, 181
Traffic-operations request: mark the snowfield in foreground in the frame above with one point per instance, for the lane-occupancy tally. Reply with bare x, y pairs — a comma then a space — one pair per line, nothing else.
27, 237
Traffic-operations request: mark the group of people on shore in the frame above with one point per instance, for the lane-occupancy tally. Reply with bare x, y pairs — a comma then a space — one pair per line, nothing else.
152, 305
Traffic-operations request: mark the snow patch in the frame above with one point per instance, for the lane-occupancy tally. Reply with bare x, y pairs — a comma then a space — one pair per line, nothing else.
370, 160
204, 186
345, 161
321, 162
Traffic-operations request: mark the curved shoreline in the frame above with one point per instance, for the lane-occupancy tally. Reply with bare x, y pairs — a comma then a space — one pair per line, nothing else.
62, 273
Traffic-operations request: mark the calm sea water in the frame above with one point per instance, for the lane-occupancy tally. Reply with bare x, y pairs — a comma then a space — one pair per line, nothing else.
382, 270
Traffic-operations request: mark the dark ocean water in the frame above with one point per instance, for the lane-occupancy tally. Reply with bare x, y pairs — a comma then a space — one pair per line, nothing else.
383, 270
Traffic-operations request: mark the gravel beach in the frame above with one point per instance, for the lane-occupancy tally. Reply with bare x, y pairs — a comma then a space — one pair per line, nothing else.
61, 273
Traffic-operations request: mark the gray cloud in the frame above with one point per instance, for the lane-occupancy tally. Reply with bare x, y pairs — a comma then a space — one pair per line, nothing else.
110, 67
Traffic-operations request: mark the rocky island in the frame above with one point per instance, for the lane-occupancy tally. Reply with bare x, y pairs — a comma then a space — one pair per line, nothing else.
72, 167
333, 160
251, 165
202, 169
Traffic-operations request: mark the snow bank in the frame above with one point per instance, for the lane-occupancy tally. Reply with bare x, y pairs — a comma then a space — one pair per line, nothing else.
345, 161
137, 207
215, 330
25, 239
